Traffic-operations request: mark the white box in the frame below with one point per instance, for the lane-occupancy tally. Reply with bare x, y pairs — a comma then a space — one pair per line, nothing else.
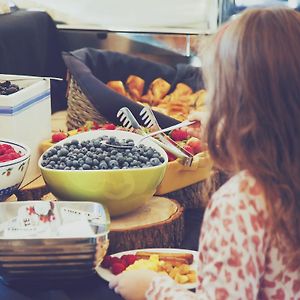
25, 116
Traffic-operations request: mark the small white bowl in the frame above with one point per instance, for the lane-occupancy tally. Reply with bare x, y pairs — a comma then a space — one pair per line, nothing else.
13, 172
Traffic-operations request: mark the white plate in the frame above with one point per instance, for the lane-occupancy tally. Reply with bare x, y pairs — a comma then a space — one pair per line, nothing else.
107, 275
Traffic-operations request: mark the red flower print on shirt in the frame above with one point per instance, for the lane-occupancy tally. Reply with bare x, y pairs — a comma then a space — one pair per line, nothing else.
221, 294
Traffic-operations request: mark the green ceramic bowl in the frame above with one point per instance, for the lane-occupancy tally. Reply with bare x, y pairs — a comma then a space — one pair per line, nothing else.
121, 191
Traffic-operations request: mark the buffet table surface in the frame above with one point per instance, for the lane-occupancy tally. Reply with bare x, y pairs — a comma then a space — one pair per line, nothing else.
92, 288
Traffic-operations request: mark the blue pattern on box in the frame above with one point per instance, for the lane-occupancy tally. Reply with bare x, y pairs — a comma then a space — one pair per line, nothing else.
5, 193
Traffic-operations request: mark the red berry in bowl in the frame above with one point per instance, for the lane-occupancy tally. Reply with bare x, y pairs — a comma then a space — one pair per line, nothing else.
117, 268
129, 258
115, 260
106, 262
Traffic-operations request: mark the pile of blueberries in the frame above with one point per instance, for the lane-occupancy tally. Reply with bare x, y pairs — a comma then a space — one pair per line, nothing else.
101, 154
8, 88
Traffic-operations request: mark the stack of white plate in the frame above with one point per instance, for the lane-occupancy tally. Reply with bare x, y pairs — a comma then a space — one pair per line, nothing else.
47, 257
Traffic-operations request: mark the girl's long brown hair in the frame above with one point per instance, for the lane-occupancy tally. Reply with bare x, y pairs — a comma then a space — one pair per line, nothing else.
252, 73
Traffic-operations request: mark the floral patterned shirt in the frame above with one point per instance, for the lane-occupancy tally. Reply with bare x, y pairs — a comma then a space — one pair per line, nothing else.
238, 259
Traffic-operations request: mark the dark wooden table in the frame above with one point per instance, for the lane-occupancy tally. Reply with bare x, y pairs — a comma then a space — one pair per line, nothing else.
92, 288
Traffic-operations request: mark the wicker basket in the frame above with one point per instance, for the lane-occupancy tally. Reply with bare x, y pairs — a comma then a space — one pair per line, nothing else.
80, 109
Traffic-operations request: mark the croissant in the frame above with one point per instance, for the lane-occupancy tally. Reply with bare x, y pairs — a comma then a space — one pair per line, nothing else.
158, 89
117, 86
135, 87
182, 90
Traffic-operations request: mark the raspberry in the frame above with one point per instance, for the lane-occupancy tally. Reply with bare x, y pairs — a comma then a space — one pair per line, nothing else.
117, 268
179, 135
7, 153
129, 259
5, 148
115, 260
59, 136
106, 262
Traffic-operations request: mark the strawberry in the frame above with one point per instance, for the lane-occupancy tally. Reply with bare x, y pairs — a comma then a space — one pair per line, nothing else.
129, 259
106, 262
171, 157
109, 126
117, 268
195, 143
189, 149
59, 136
179, 135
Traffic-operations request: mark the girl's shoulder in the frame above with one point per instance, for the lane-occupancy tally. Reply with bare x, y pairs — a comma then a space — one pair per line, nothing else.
240, 192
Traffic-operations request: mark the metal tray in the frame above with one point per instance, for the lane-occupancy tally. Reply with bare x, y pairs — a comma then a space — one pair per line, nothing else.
61, 257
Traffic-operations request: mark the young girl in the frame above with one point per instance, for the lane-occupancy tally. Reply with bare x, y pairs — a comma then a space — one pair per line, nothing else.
250, 238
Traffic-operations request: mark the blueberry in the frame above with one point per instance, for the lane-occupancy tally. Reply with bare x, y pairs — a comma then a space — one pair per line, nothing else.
81, 161
113, 163
63, 152
89, 160
89, 154
103, 165
96, 143
125, 164
114, 152
74, 142
120, 159
143, 159
69, 163
149, 153
86, 167
95, 162
154, 161
75, 164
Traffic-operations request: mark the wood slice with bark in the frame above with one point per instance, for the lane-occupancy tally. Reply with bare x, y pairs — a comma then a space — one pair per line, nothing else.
159, 223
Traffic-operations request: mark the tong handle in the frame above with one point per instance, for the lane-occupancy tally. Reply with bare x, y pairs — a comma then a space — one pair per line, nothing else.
182, 124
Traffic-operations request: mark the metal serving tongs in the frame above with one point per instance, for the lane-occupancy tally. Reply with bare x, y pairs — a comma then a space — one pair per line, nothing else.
150, 121
129, 121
